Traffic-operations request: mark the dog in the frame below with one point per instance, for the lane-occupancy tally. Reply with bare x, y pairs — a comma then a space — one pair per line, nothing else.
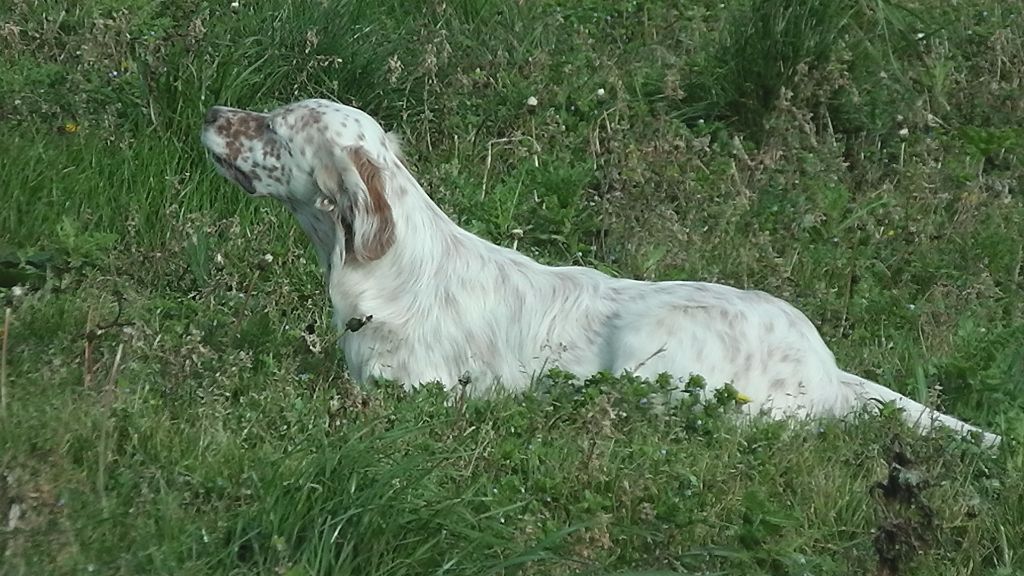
436, 303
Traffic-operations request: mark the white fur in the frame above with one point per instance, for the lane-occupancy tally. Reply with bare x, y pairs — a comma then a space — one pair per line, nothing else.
447, 305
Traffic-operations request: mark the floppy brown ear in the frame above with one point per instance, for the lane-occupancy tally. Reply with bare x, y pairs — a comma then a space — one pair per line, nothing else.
358, 186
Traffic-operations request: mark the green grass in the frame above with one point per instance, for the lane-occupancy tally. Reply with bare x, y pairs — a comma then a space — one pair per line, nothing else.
860, 159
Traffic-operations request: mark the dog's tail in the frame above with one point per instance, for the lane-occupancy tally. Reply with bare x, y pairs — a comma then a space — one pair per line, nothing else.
915, 413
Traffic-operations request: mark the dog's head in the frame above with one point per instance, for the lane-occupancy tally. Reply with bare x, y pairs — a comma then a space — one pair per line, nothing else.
312, 154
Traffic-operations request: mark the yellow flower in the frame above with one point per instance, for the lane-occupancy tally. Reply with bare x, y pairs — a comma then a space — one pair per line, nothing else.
742, 398
70, 127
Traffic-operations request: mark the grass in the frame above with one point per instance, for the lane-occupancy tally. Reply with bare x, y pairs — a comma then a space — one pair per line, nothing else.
175, 403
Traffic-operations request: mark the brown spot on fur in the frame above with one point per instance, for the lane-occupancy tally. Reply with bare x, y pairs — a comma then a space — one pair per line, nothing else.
223, 127
235, 128
377, 210
256, 173
234, 151
247, 126
310, 119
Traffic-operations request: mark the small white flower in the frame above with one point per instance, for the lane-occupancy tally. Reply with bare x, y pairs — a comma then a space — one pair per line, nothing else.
904, 132
234, 5
600, 93
531, 102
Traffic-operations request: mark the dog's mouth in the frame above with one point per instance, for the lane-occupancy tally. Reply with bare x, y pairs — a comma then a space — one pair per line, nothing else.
233, 173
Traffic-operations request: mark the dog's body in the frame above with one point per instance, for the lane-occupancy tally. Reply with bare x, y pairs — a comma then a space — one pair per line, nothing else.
449, 306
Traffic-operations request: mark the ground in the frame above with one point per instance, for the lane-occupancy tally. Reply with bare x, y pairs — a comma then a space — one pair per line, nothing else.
172, 398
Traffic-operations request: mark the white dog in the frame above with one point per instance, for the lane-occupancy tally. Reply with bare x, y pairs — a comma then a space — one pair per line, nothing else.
443, 304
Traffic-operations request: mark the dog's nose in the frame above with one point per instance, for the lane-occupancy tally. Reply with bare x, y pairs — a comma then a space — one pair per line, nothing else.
212, 114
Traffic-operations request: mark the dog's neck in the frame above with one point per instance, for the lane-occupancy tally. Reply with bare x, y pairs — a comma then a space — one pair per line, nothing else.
411, 275
320, 228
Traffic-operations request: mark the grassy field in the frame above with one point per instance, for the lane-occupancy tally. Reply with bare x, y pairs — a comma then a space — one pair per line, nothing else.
173, 402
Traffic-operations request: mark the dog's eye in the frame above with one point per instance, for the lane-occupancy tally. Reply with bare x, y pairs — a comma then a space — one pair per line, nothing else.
324, 203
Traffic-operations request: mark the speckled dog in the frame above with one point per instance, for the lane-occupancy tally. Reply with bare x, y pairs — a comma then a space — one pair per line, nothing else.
447, 305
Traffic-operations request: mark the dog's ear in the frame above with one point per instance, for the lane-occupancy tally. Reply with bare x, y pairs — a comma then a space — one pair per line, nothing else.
358, 185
